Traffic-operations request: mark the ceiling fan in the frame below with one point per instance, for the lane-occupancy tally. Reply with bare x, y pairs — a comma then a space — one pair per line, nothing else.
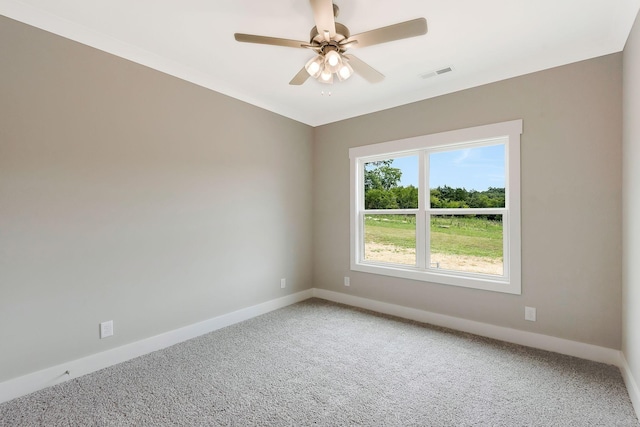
330, 40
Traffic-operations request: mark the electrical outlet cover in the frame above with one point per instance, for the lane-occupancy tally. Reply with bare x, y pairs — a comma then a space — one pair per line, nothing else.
106, 329
530, 314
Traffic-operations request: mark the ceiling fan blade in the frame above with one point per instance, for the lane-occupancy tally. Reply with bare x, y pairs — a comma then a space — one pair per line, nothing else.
402, 30
300, 78
249, 38
323, 16
365, 70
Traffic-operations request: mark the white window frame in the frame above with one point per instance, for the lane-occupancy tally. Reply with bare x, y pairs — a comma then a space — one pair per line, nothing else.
505, 132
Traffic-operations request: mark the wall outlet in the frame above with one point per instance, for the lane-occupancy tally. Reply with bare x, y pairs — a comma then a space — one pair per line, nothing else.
347, 281
530, 314
283, 283
106, 329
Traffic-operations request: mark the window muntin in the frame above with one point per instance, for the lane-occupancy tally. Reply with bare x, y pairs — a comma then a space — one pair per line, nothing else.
464, 236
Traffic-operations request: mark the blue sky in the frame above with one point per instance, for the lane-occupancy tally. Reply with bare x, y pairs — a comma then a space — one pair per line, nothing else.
475, 168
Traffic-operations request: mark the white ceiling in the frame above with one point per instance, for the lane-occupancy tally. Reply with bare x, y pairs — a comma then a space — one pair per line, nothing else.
483, 41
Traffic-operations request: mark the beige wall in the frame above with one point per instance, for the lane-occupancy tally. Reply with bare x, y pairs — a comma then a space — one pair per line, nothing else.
571, 200
631, 203
130, 195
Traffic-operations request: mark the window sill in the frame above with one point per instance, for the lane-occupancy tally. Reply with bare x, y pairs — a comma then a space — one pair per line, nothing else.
453, 278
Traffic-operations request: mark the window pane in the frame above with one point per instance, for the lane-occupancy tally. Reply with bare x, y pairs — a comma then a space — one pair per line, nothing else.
391, 183
469, 243
468, 178
390, 239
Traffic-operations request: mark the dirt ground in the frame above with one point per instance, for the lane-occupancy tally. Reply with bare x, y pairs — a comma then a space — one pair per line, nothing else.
467, 263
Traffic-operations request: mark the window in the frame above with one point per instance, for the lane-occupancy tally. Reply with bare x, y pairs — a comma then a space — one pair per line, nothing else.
443, 208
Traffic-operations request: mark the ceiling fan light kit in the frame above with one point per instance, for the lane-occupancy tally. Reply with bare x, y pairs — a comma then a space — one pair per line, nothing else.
330, 40
323, 67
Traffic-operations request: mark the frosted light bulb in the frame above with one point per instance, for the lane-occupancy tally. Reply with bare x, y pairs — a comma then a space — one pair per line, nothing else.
345, 72
333, 58
313, 68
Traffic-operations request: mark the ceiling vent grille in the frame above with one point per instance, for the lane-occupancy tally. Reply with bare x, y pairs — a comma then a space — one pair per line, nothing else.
436, 72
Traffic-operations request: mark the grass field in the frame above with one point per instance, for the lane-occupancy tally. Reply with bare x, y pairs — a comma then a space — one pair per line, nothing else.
452, 235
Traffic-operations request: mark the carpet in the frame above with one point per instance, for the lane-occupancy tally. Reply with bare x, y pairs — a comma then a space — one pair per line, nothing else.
324, 364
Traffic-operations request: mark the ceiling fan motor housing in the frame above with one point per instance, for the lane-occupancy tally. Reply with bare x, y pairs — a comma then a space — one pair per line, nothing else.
317, 39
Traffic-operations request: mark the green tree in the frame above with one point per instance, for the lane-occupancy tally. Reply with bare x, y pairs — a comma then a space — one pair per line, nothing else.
406, 197
448, 197
381, 176
380, 199
478, 200
460, 194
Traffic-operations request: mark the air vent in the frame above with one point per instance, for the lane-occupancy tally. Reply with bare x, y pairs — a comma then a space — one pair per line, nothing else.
436, 72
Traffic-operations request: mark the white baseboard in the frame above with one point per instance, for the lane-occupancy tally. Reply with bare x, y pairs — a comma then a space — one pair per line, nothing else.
530, 339
56, 374
632, 385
